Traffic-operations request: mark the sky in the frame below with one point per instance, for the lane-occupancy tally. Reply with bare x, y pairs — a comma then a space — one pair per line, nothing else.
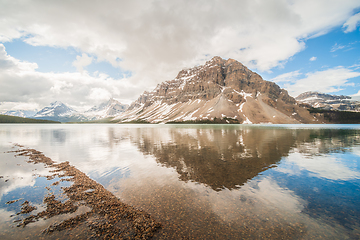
84, 52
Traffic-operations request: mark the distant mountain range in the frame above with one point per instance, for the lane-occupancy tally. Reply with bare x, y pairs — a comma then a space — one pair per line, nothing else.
328, 102
220, 91
21, 113
58, 111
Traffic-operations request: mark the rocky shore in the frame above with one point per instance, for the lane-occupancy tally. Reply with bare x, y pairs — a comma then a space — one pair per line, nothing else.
107, 218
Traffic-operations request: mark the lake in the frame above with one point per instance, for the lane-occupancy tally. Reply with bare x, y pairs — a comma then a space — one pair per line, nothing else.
196, 181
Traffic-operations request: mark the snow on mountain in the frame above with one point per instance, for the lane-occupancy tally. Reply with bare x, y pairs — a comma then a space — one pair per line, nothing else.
107, 109
58, 111
328, 102
219, 89
21, 113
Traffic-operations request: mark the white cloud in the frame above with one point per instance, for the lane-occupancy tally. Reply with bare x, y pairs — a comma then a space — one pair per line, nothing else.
336, 47
99, 94
356, 96
149, 36
155, 39
18, 106
287, 77
312, 58
82, 61
327, 81
20, 83
8, 63
352, 23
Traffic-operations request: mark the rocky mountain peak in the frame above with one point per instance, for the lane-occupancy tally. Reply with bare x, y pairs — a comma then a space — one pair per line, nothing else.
217, 60
209, 80
227, 85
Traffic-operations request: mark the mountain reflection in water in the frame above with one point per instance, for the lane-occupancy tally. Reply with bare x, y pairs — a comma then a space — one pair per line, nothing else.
228, 158
201, 181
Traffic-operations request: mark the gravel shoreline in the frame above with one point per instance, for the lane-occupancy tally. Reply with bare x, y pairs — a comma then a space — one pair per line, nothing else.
109, 218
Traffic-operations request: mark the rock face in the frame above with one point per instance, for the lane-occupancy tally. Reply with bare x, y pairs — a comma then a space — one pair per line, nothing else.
328, 102
219, 89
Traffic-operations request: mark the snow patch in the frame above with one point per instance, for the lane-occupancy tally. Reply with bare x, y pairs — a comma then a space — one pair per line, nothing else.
241, 107
247, 121
244, 94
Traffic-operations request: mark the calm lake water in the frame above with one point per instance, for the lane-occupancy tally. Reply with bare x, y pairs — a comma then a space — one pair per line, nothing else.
198, 181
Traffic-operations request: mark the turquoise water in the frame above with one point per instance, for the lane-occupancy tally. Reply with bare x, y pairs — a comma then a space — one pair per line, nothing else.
199, 181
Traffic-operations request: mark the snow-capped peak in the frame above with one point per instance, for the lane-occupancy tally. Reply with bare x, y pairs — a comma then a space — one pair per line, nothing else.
56, 109
106, 109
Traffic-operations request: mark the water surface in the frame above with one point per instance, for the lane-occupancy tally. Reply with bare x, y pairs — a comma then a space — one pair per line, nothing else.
199, 181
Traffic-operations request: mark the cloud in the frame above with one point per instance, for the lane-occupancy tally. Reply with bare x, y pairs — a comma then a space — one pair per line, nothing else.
327, 81
20, 83
155, 39
352, 23
356, 96
82, 61
312, 58
8, 63
5, 106
99, 94
336, 47
287, 77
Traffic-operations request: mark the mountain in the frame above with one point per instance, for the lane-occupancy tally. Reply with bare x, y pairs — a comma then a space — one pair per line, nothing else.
107, 109
58, 111
328, 102
21, 113
218, 91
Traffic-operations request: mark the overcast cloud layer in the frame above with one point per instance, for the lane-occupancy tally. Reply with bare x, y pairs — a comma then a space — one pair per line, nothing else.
154, 40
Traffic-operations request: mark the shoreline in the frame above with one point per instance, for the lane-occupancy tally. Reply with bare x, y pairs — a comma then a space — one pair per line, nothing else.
107, 218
